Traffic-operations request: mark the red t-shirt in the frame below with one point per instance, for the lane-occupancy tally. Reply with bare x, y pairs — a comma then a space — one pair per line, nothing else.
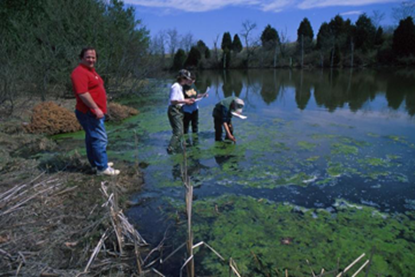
86, 79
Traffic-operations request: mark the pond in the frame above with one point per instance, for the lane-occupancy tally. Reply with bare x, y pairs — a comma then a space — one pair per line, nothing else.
323, 170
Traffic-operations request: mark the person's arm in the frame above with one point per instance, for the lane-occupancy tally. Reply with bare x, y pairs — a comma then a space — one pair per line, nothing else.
202, 95
206, 94
228, 132
188, 101
90, 103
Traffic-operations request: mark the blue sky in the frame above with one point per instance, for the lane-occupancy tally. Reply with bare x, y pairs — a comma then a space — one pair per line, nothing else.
206, 19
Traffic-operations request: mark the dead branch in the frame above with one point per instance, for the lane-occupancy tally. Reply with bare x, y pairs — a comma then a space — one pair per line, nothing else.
96, 251
351, 265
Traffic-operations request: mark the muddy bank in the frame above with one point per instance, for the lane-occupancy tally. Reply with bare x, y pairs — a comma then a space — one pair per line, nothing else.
52, 215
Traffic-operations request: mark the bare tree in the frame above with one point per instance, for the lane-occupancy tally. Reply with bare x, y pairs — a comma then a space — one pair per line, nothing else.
158, 44
173, 39
377, 17
158, 48
250, 43
407, 8
187, 42
283, 41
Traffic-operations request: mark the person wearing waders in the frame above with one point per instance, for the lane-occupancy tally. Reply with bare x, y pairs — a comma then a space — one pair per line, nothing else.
175, 109
222, 116
191, 112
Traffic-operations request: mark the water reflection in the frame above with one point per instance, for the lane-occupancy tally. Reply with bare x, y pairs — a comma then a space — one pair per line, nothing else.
331, 89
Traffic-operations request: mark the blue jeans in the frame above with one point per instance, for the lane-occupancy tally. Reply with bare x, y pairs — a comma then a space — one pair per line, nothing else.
96, 139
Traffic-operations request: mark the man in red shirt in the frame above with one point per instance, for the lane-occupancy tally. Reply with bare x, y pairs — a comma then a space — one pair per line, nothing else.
91, 107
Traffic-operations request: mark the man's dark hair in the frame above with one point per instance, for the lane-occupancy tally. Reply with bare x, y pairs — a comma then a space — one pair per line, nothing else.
81, 56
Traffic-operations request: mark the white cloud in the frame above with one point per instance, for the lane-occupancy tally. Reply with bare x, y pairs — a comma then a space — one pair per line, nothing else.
351, 13
264, 5
275, 6
193, 5
310, 4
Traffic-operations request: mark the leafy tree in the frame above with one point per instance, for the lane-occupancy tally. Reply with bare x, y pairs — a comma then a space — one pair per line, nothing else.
324, 35
305, 35
269, 38
404, 38
305, 30
335, 37
193, 58
342, 31
337, 25
226, 58
325, 41
379, 36
236, 44
207, 53
179, 59
226, 41
349, 31
203, 49
335, 56
365, 33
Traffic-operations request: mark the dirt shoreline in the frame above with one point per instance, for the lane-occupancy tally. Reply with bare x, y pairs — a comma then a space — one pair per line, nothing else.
52, 218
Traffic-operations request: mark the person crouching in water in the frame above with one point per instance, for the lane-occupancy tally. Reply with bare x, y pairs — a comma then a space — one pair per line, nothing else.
222, 115
175, 109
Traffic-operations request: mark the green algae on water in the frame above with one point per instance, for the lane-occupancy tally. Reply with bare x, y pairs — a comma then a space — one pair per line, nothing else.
249, 230
341, 125
343, 149
337, 169
379, 162
308, 146
313, 158
323, 136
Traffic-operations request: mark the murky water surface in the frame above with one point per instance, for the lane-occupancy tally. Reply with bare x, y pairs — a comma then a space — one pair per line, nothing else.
326, 159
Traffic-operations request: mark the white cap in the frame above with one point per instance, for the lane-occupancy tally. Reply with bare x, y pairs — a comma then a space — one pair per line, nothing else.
239, 105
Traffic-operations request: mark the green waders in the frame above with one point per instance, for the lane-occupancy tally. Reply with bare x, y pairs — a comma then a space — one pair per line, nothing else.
175, 115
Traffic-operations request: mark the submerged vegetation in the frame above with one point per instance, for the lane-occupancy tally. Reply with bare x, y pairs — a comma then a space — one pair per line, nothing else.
251, 232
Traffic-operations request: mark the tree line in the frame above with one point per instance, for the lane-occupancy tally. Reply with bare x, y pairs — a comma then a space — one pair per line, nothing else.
337, 43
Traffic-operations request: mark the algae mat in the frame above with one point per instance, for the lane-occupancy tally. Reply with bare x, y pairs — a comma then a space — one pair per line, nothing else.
268, 238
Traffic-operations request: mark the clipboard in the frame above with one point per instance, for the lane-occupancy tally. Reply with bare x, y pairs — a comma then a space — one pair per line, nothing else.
239, 115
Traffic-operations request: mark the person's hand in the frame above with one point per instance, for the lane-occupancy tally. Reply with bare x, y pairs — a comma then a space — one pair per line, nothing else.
99, 114
232, 138
189, 101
